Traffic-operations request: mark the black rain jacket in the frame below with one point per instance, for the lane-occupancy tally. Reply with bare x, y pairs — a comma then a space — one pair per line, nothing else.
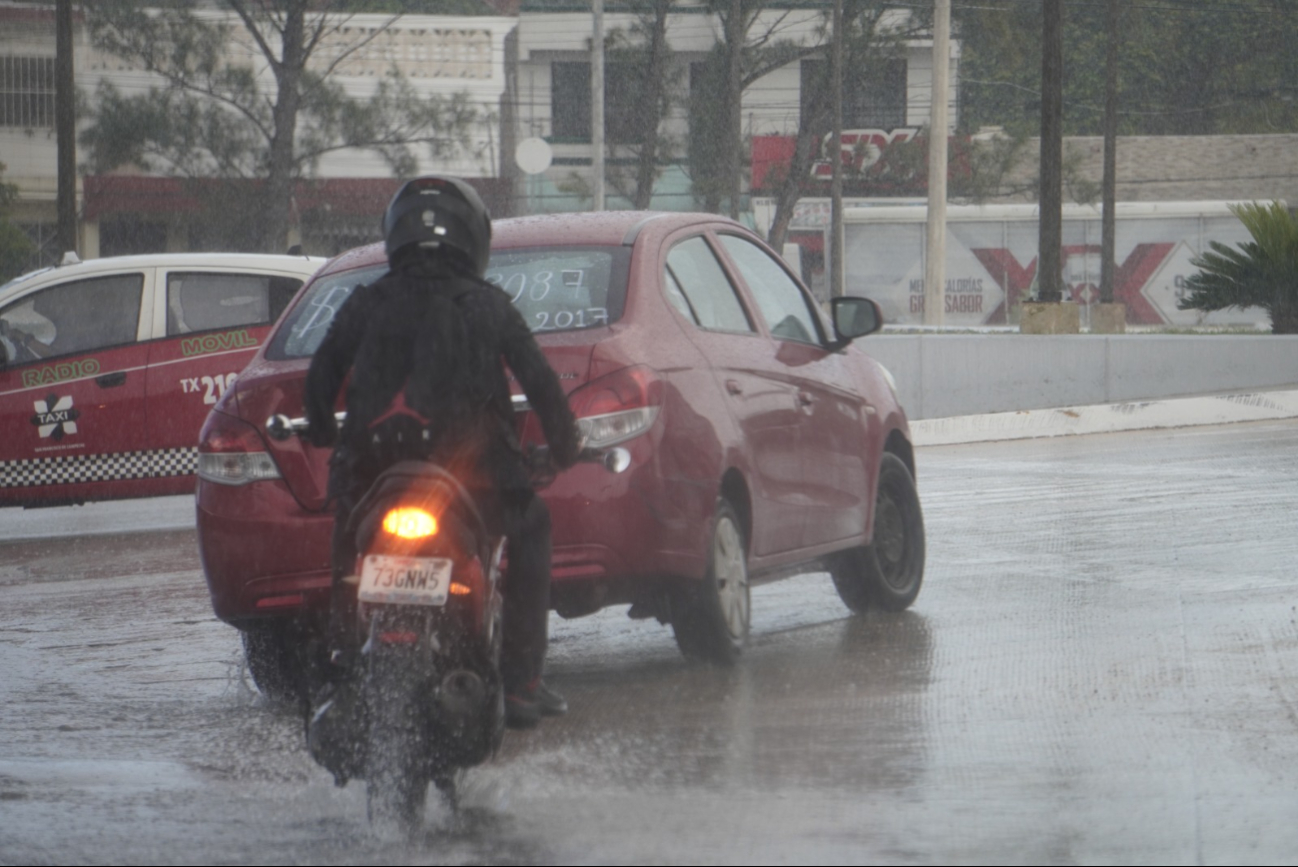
427, 343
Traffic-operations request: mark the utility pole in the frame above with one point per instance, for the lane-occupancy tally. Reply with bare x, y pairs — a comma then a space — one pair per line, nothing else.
1050, 233
597, 106
935, 247
65, 122
734, 25
836, 269
1109, 222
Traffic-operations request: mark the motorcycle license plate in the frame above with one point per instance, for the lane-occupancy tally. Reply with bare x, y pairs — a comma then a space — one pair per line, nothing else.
391, 580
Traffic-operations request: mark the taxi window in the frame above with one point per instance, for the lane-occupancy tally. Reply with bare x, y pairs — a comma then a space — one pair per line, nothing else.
78, 316
198, 301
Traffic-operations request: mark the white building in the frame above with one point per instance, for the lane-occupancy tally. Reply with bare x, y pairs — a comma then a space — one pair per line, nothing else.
551, 92
133, 211
527, 75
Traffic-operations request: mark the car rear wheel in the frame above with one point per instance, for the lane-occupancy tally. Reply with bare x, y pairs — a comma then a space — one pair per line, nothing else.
888, 572
276, 659
710, 619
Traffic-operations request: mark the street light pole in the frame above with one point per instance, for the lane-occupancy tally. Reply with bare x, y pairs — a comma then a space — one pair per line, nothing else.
935, 248
65, 122
597, 106
836, 269
1051, 200
1108, 224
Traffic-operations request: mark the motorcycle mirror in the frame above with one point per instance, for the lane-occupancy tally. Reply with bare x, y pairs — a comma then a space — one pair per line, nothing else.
616, 460
279, 427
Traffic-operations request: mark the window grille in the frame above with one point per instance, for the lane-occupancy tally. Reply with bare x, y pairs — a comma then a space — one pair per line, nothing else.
874, 96
27, 91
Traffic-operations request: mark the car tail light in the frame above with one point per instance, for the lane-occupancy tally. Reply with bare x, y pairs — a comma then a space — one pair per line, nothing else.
617, 407
409, 522
231, 452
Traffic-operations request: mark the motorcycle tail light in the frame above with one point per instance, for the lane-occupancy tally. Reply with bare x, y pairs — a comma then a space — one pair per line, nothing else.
409, 522
231, 452
617, 407
460, 589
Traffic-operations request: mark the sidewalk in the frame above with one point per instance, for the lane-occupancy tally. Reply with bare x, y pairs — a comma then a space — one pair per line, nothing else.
1106, 418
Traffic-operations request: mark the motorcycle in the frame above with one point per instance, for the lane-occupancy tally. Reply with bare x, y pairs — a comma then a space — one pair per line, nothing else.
425, 699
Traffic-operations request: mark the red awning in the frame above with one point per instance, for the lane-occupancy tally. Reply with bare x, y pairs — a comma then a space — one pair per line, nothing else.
140, 194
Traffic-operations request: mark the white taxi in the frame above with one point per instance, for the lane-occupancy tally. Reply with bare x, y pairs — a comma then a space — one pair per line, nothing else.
108, 367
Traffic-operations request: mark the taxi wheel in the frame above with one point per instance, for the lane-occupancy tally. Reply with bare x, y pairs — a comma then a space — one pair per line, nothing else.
888, 572
275, 660
710, 618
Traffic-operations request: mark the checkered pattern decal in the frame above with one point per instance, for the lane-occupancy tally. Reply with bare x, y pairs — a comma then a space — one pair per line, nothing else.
66, 469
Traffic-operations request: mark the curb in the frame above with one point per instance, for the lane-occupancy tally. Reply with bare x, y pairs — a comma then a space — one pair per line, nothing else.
1106, 418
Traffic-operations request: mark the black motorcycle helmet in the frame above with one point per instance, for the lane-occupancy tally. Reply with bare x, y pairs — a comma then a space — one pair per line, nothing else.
438, 214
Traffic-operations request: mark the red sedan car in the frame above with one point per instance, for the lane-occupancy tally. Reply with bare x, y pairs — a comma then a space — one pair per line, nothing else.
761, 443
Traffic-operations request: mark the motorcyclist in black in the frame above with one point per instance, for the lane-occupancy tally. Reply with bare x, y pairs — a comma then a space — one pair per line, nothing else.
424, 346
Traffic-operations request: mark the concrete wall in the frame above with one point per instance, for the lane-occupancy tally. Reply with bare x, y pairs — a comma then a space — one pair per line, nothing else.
944, 375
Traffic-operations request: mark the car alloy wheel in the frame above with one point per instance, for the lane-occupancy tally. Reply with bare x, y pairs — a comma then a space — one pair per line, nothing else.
710, 619
888, 572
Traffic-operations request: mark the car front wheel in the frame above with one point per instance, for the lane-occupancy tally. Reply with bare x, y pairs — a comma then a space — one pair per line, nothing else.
711, 619
888, 572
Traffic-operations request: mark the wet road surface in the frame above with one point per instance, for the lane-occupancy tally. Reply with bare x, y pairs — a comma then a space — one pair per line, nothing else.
1102, 667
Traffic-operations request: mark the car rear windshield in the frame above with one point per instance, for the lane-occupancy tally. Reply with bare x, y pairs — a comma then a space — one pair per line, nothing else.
555, 288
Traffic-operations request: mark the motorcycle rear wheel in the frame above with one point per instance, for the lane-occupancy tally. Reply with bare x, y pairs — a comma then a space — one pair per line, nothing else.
396, 783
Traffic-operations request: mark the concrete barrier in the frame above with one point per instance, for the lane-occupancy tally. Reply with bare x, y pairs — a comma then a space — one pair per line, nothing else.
945, 375
1106, 418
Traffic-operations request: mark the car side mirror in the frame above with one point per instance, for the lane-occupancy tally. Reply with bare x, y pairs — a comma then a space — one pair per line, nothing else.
854, 317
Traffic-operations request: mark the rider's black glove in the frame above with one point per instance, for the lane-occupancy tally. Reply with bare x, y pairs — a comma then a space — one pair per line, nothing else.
323, 435
565, 450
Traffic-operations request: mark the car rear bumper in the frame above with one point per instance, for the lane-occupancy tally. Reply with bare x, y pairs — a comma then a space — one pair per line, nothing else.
264, 555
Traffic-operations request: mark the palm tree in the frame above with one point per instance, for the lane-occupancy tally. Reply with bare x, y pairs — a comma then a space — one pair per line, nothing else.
1262, 272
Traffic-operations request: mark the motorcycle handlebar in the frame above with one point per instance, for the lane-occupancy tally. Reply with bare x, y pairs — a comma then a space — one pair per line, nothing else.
615, 460
280, 427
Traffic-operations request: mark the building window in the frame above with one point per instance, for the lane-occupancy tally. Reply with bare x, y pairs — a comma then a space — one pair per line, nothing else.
27, 91
623, 104
874, 96
570, 102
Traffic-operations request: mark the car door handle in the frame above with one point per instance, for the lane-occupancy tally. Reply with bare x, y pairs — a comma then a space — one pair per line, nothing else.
805, 398
733, 386
111, 380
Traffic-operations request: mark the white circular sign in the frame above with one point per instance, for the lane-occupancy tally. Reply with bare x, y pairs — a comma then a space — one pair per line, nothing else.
533, 155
